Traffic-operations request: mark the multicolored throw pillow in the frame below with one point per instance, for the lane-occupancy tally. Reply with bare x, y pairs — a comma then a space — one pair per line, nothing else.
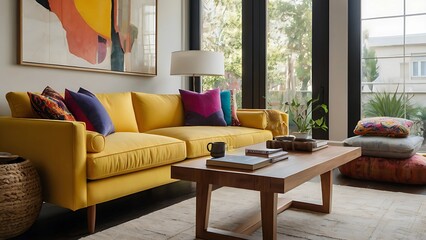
48, 91
202, 109
383, 126
87, 108
50, 105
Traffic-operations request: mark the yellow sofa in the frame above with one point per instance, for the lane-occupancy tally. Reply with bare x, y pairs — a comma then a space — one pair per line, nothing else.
80, 168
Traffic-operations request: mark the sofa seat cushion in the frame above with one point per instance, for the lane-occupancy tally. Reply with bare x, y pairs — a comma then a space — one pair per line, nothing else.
127, 152
197, 137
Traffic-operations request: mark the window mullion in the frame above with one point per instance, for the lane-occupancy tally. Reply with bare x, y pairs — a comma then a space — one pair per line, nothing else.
247, 55
354, 64
254, 54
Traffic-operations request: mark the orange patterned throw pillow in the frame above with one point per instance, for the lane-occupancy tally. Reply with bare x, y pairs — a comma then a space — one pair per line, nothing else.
383, 126
50, 105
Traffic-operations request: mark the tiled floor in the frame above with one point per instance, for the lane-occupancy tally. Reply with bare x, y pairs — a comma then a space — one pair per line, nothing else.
59, 223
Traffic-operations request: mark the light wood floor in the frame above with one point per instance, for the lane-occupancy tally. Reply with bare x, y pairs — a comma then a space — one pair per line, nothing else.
59, 223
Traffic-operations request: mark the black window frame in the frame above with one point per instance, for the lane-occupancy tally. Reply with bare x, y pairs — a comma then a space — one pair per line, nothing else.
354, 64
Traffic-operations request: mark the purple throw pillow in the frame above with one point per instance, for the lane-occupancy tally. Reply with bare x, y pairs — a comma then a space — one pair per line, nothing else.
202, 109
87, 108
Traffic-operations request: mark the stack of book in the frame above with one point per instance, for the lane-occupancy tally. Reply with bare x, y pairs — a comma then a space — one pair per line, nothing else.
309, 145
239, 162
255, 158
274, 155
312, 144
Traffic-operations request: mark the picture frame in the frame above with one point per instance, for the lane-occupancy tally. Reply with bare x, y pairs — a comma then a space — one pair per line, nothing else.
118, 36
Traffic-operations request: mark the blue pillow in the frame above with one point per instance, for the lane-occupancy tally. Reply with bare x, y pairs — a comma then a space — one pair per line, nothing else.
225, 101
87, 108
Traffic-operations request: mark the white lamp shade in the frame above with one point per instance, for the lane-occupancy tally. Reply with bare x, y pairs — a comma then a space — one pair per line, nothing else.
197, 63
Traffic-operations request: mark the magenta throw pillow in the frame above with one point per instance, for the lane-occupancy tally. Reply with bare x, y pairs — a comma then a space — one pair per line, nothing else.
202, 109
87, 108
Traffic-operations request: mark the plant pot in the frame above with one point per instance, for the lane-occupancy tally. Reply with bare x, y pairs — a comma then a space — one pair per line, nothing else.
303, 135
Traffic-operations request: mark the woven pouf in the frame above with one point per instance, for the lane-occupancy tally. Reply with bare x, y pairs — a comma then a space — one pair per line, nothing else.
20, 197
407, 170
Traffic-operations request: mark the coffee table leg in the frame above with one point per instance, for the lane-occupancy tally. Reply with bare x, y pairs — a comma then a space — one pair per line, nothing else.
326, 188
268, 206
203, 196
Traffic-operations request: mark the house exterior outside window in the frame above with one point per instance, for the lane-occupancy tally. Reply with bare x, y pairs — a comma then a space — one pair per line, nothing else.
393, 59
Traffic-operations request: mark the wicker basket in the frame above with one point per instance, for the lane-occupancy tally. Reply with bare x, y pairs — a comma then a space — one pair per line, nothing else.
20, 197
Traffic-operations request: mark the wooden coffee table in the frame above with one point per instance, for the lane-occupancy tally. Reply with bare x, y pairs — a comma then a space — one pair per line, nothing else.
277, 178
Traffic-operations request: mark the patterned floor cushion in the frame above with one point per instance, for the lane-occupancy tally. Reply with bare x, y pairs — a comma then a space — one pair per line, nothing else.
409, 170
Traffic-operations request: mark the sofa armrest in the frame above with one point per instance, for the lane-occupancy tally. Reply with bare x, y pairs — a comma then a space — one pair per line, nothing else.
273, 120
284, 123
58, 151
95, 142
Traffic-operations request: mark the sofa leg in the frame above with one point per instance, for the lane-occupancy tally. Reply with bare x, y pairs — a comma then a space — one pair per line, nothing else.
91, 218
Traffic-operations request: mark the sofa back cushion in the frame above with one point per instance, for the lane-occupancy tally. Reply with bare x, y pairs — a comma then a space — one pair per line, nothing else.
157, 110
118, 105
20, 105
120, 109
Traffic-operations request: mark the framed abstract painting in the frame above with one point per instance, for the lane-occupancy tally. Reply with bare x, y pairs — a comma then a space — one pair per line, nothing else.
116, 36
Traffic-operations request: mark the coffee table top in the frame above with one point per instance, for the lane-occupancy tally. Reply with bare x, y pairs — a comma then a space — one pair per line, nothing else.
279, 177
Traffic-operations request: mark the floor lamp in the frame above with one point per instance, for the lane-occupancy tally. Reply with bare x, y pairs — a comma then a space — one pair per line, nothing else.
197, 63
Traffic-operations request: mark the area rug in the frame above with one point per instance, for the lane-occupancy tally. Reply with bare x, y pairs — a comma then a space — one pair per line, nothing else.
358, 213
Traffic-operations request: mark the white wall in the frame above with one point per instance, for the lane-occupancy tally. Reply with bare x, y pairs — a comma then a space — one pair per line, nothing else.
338, 114
14, 77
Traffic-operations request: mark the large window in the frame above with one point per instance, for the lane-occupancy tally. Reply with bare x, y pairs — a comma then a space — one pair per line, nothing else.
221, 30
289, 51
392, 54
269, 45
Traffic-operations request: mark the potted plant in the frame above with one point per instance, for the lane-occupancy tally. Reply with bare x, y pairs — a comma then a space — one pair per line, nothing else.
301, 116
